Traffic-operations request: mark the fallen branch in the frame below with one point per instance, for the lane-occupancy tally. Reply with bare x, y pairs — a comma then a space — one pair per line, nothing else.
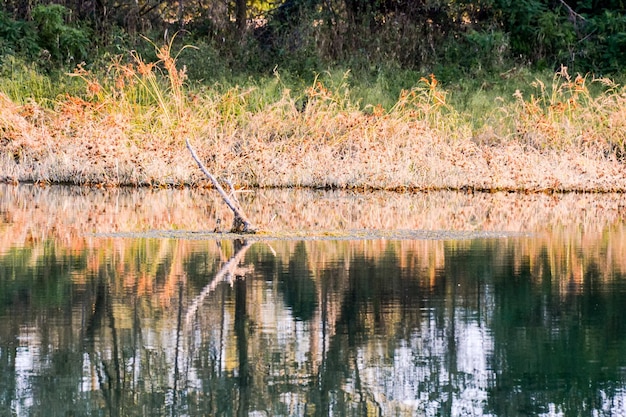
241, 224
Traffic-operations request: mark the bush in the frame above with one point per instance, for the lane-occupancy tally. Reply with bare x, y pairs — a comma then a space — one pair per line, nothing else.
17, 37
603, 49
64, 44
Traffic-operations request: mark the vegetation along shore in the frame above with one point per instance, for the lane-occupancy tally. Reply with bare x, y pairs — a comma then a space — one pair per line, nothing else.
123, 119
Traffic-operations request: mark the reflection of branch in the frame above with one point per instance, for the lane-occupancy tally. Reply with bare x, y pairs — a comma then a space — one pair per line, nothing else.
225, 274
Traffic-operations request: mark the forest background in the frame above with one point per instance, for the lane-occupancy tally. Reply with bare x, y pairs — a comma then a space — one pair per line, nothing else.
450, 38
493, 72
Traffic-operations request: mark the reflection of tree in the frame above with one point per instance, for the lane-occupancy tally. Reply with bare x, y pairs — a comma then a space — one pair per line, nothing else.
298, 286
364, 316
241, 332
109, 373
227, 273
555, 349
128, 368
381, 328
219, 387
35, 285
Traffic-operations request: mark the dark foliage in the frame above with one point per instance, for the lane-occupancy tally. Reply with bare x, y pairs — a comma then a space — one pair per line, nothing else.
458, 36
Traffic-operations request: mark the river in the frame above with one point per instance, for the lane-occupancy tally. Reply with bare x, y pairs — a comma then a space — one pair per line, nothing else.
123, 302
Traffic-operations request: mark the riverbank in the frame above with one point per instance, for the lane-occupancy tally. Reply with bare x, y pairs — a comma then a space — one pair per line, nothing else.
406, 156
129, 128
418, 163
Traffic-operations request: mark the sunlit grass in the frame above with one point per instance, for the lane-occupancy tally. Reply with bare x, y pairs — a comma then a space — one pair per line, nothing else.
129, 123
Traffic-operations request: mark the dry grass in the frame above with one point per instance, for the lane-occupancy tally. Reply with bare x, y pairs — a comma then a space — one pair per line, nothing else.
129, 129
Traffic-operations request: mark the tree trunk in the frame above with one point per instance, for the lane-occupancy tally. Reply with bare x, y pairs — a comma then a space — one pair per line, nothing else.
241, 16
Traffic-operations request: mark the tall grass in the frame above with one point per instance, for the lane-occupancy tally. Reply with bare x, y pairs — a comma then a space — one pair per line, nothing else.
566, 114
128, 127
22, 83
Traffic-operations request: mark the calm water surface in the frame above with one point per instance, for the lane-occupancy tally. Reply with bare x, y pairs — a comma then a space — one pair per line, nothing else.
108, 326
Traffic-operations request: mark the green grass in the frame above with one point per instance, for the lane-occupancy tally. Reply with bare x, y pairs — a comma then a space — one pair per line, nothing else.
23, 82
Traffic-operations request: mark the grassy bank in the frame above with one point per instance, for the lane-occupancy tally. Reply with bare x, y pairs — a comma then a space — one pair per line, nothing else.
126, 125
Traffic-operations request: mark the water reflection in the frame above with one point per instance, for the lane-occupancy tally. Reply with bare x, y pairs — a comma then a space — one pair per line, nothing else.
125, 327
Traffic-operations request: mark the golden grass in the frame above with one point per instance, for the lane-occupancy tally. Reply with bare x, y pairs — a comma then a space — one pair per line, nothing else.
129, 129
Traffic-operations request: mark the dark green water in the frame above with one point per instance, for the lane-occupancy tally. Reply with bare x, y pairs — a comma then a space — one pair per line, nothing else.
148, 327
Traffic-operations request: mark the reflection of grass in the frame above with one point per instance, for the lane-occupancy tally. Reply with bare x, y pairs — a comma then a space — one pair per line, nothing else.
39, 277
129, 125
379, 287
572, 229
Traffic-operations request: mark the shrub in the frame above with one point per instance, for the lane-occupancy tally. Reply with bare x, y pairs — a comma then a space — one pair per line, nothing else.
64, 43
17, 37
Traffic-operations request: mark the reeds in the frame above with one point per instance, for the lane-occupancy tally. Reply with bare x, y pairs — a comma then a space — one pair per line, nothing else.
566, 114
129, 125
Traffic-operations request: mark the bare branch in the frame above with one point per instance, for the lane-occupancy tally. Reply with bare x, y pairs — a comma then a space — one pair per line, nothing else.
241, 224
233, 192
572, 13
